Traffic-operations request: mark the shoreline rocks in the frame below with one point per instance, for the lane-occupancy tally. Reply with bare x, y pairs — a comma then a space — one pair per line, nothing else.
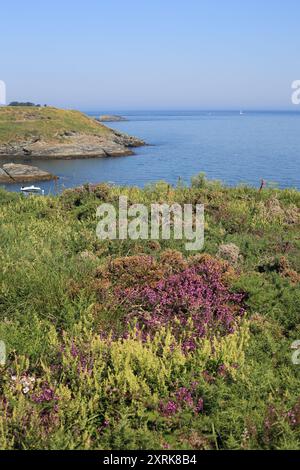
17, 173
57, 133
74, 145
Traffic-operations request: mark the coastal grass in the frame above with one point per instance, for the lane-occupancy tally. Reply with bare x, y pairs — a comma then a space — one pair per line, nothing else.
21, 123
78, 376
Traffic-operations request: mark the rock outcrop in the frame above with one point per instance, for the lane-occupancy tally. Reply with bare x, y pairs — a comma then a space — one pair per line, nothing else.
74, 145
55, 133
110, 118
17, 173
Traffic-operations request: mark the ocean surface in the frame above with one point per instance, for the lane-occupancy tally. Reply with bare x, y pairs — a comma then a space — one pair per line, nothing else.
232, 147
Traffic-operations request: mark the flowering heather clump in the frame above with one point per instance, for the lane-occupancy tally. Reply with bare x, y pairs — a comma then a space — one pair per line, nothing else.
193, 302
110, 348
83, 359
273, 418
210, 379
168, 409
199, 406
182, 399
45, 395
222, 371
184, 395
293, 415
45, 410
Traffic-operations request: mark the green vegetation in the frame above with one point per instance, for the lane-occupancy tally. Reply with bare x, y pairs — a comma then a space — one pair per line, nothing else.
20, 123
79, 375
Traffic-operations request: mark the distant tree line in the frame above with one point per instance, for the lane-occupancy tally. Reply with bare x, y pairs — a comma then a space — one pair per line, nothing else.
27, 103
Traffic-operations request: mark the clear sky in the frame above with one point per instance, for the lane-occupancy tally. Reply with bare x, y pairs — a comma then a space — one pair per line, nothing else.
151, 54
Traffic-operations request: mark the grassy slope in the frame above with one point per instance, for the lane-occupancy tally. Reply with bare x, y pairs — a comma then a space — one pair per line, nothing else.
21, 123
48, 288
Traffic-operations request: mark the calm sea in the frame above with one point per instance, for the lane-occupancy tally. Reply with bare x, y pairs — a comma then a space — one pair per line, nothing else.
232, 147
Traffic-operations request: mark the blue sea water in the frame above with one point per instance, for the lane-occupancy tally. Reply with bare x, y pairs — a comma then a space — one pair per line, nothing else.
232, 147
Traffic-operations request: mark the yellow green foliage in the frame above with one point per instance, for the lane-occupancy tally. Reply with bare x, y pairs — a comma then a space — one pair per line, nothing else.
19, 123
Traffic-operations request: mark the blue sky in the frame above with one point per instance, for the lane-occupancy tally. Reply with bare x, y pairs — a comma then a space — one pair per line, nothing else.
151, 54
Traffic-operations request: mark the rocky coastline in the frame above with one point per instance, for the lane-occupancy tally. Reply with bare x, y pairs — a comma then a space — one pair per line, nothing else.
73, 145
53, 133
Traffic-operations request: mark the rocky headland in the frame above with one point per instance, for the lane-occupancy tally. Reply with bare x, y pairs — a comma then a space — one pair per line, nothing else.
55, 133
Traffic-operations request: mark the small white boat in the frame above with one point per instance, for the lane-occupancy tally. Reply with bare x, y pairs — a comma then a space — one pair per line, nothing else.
241, 113
32, 190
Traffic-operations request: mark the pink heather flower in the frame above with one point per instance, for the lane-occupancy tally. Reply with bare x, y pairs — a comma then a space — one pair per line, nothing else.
184, 396
74, 350
47, 394
168, 409
292, 417
222, 371
199, 406
166, 446
103, 426
208, 377
194, 301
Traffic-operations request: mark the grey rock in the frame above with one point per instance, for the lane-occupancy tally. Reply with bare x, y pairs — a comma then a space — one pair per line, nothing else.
4, 177
75, 145
14, 172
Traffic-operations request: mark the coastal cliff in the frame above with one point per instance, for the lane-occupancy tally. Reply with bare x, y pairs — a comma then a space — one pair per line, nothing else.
55, 133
